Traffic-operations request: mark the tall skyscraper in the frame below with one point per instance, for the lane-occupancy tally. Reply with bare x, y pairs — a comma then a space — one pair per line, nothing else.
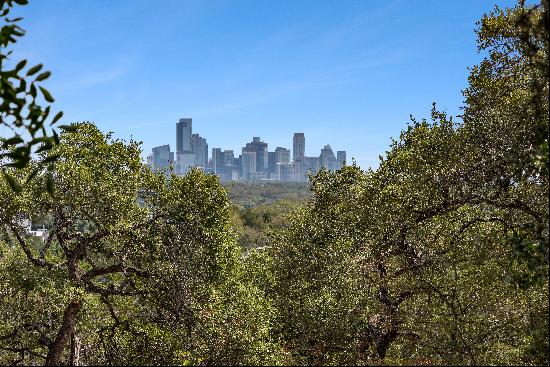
248, 162
327, 158
184, 162
199, 146
161, 158
298, 146
285, 172
340, 158
260, 148
272, 163
303, 165
183, 135
282, 155
218, 161
229, 157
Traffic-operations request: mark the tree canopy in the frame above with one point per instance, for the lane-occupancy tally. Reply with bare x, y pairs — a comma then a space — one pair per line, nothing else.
438, 256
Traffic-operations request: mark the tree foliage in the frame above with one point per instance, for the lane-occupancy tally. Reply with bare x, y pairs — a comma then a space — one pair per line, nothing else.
439, 256
134, 269
22, 96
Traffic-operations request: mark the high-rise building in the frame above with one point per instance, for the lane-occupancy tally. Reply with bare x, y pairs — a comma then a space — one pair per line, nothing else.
183, 135
285, 172
218, 161
303, 165
327, 158
272, 163
229, 157
248, 162
184, 162
161, 158
340, 159
298, 146
282, 155
199, 146
260, 148
231, 168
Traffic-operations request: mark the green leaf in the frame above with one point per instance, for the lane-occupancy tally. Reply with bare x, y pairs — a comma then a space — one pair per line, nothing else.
22, 2
55, 137
34, 70
47, 96
20, 65
43, 76
32, 91
51, 158
18, 164
13, 141
56, 117
15, 186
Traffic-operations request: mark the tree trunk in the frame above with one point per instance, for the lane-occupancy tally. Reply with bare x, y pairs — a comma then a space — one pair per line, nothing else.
56, 348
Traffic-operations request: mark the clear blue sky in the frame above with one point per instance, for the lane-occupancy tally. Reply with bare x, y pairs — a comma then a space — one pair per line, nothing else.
346, 73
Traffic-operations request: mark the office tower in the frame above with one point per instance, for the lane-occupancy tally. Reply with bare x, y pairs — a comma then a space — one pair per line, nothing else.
298, 146
272, 163
237, 161
229, 157
340, 158
231, 168
199, 146
183, 135
285, 172
327, 158
218, 161
161, 158
282, 155
260, 148
184, 162
303, 165
248, 162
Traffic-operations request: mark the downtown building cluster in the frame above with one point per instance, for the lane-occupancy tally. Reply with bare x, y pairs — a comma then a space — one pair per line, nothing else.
255, 163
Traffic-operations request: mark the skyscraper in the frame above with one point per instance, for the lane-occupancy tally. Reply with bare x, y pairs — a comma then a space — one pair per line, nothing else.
298, 146
184, 162
199, 146
260, 148
282, 155
327, 158
161, 158
285, 172
218, 161
183, 135
340, 158
272, 163
248, 161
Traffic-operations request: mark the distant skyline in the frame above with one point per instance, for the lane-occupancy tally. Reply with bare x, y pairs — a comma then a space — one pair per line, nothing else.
345, 73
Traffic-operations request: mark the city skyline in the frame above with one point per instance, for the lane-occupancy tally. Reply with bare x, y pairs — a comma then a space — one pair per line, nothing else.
255, 163
348, 73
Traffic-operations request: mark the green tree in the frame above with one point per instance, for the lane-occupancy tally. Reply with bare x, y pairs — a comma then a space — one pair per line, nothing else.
445, 246
135, 269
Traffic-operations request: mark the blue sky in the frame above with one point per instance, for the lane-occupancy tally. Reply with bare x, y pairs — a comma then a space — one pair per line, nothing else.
346, 73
